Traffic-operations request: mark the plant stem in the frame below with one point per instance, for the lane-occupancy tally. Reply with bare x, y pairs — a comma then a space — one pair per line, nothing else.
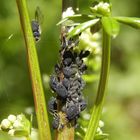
98, 106
66, 134
38, 93
68, 131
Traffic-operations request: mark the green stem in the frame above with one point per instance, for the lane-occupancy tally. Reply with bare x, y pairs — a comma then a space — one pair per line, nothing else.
38, 93
98, 106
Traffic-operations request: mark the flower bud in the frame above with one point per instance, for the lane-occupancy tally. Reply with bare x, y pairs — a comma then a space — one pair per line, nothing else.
12, 118
17, 124
11, 132
101, 123
5, 124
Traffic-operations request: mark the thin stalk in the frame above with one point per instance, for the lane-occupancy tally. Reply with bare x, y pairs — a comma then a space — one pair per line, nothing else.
68, 131
101, 94
32, 58
66, 134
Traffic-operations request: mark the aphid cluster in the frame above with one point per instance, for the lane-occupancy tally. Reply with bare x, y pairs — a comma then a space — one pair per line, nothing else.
67, 83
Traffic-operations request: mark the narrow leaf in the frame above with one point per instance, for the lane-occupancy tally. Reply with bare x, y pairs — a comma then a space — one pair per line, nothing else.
101, 136
80, 28
111, 26
131, 21
77, 19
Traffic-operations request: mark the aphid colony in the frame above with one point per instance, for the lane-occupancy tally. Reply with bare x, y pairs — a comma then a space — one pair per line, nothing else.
67, 83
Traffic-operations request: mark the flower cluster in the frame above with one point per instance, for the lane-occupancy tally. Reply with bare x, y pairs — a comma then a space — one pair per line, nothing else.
16, 125
102, 8
82, 128
67, 83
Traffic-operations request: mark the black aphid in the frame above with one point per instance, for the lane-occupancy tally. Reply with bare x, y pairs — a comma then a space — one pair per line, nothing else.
72, 112
52, 105
36, 30
56, 122
67, 83
35, 24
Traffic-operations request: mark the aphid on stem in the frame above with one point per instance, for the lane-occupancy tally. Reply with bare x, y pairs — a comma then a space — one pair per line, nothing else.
36, 24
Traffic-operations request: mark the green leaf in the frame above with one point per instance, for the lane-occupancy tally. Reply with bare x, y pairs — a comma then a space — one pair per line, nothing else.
101, 136
80, 28
111, 26
77, 19
131, 21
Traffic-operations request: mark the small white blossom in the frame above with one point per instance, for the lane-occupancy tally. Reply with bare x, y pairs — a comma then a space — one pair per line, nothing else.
17, 124
99, 131
105, 6
5, 124
101, 123
20, 117
12, 118
11, 132
69, 12
102, 6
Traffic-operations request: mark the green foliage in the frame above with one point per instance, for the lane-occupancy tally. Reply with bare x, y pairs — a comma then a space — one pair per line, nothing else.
76, 19
111, 26
83, 125
131, 21
121, 110
103, 11
82, 27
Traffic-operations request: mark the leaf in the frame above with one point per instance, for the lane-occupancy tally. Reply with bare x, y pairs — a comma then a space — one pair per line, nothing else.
77, 19
101, 136
131, 21
111, 26
80, 28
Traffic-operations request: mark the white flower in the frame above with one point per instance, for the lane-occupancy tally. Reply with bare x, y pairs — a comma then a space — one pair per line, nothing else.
5, 124
69, 12
12, 118
17, 124
11, 132
20, 117
101, 123
99, 131
102, 6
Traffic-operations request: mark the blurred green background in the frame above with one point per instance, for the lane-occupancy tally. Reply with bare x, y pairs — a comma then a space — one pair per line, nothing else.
122, 107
